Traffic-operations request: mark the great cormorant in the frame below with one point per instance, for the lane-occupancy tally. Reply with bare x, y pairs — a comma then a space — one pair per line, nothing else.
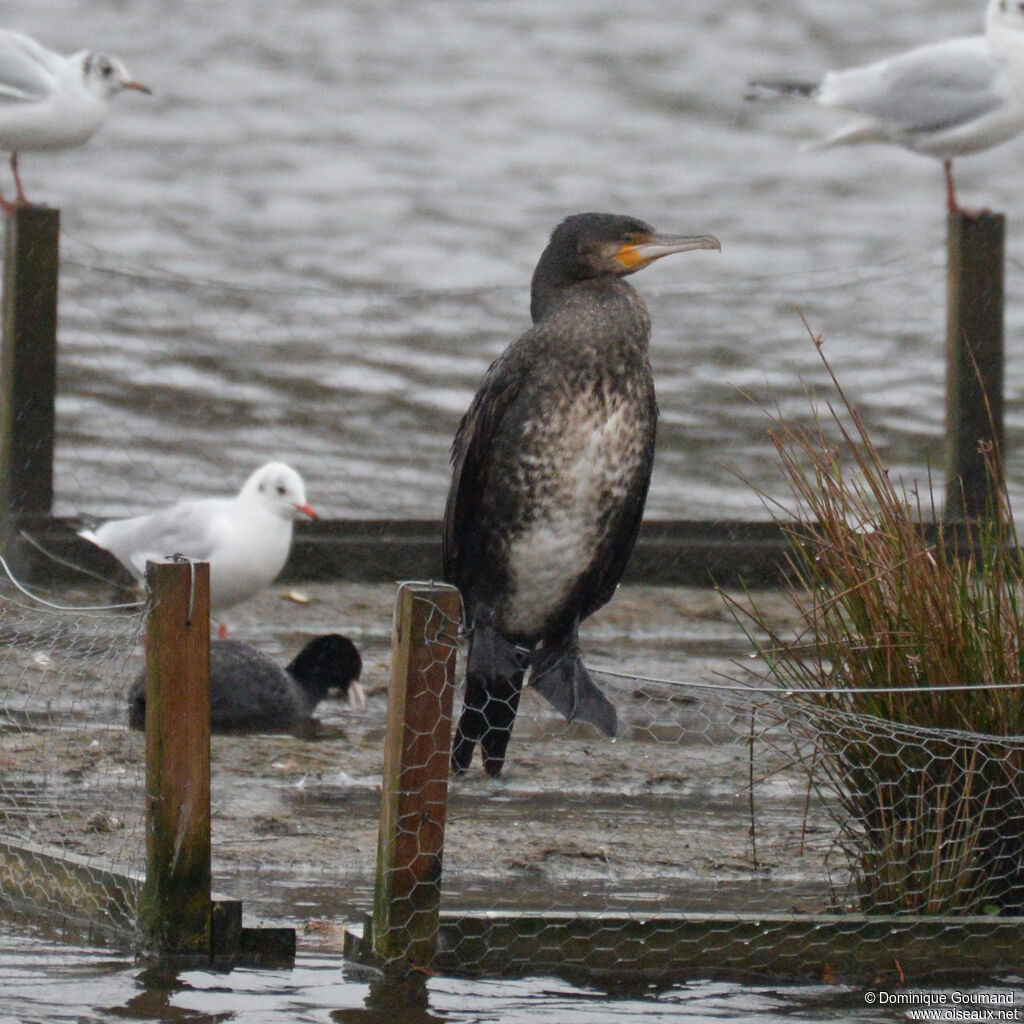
550, 469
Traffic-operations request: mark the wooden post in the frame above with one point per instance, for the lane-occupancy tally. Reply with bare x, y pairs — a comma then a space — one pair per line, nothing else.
28, 365
175, 913
414, 791
974, 362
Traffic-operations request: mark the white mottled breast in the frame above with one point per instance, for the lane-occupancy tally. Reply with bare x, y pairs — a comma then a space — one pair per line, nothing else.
579, 472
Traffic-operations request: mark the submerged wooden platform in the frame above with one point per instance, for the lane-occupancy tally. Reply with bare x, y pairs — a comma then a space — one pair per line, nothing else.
101, 903
673, 947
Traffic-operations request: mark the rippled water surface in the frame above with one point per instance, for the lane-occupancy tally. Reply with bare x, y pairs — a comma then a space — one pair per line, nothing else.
317, 233
92, 986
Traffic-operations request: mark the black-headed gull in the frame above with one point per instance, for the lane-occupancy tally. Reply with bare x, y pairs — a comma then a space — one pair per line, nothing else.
246, 539
249, 692
52, 102
945, 99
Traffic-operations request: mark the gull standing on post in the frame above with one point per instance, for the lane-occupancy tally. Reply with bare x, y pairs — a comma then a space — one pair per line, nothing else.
945, 99
52, 102
246, 539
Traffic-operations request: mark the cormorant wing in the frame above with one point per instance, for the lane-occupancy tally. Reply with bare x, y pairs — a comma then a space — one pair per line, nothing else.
473, 438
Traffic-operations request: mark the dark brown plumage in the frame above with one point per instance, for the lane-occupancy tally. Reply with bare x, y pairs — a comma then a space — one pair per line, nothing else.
550, 470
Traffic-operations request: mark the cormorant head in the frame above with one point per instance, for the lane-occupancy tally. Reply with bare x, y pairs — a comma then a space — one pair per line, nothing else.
594, 245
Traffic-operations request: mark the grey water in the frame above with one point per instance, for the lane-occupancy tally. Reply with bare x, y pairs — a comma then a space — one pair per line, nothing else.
312, 239
316, 234
84, 985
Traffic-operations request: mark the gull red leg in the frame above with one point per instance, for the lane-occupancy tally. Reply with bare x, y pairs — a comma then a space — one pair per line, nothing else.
21, 199
947, 166
7, 207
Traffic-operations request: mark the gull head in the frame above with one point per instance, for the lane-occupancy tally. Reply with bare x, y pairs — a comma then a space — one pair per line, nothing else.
1004, 14
279, 489
105, 76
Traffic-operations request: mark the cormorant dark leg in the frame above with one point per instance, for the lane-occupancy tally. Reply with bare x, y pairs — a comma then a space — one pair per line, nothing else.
559, 675
488, 714
500, 714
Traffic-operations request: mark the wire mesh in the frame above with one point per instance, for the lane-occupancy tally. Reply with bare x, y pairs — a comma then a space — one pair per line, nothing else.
715, 797
71, 788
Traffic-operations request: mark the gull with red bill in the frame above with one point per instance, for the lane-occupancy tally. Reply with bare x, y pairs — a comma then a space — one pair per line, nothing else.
246, 539
48, 101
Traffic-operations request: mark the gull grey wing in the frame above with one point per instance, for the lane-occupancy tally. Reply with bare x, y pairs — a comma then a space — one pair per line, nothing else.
186, 529
930, 88
26, 68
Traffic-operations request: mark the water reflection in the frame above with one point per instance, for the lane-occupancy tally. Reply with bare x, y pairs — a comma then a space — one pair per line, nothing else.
394, 999
155, 1001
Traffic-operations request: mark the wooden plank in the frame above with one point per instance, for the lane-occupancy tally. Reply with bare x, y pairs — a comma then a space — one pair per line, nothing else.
175, 910
66, 887
414, 789
234, 945
811, 946
28, 362
974, 360
94, 903
668, 553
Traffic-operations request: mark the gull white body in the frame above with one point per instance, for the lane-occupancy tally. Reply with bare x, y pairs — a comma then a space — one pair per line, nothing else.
52, 102
246, 539
945, 99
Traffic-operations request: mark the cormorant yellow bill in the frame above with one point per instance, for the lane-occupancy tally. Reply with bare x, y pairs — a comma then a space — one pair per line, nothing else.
636, 255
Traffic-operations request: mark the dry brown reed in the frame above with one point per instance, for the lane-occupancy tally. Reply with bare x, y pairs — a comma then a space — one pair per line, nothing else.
905, 664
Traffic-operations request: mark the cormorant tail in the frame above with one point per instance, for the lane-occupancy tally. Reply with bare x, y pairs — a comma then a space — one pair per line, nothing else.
558, 674
494, 682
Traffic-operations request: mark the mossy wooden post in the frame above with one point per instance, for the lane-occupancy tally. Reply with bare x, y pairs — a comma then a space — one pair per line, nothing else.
175, 913
28, 366
974, 362
414, 791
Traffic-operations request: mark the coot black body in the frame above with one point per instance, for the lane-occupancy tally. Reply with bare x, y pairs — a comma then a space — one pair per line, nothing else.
249, 692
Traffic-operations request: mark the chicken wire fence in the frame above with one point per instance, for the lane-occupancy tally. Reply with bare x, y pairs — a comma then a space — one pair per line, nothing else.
71, 776
717, 800
717, 803
716, 797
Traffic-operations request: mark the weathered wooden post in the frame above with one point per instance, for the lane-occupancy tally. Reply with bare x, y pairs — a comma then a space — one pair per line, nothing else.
974, 363
28, 366
175, 912
414, 790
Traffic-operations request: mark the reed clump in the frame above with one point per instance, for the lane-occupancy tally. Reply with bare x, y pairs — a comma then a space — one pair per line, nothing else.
905, 666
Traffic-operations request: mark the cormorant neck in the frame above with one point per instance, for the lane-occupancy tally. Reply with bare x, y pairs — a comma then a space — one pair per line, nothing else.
553, 279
